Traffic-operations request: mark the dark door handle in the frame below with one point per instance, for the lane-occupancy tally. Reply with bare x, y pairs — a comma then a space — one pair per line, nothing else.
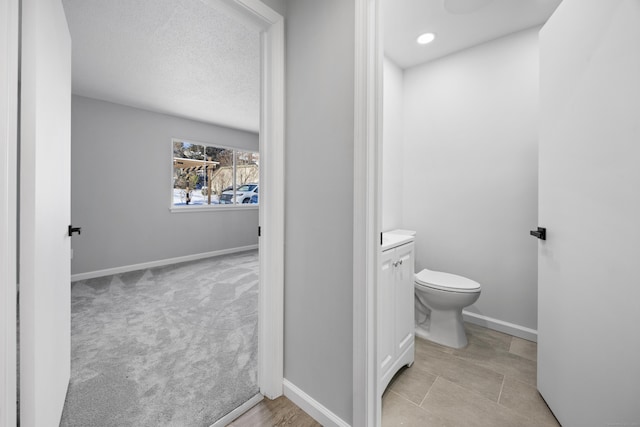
541, 233
74, 230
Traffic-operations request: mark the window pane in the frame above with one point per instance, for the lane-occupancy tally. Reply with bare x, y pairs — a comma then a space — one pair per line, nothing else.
189, 174
247, 176
209, 175
221, 176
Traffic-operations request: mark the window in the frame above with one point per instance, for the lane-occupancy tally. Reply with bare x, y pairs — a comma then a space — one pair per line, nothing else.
209, 175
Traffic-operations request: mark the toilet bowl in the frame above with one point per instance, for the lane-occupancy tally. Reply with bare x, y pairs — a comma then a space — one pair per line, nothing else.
440, 298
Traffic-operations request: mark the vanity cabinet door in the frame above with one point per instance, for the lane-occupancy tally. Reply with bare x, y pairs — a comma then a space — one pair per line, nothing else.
395, 312
404, 298
386, 308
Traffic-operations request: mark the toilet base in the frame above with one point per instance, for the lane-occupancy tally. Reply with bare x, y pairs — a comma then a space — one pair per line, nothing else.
444, 327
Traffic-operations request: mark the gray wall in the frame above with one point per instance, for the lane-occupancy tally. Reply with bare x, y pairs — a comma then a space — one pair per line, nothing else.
470, 171
120, 189
319, 201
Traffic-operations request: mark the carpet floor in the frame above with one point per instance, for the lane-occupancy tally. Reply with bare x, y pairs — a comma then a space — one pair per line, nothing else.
168, 346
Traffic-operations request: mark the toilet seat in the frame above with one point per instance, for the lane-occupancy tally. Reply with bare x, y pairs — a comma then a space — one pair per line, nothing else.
446, 282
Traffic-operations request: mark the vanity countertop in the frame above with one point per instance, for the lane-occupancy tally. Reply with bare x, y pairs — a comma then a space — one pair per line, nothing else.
392, 239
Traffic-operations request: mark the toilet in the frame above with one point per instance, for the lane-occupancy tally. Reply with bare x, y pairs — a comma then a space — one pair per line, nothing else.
439, 300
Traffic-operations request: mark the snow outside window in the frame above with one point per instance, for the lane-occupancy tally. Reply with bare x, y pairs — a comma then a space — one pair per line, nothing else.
209, 175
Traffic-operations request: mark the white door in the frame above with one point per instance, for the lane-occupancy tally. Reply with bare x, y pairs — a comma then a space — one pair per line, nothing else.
589, 201
44, 213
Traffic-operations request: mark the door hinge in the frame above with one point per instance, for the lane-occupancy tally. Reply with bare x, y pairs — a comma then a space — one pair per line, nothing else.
259, 231
72, 230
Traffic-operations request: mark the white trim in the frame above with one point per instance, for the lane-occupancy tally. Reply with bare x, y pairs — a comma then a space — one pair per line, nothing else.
312, 407
366, 224
213, 208
253, 13
158, 263
212, 144
501, 326
272, 208
9, 40
239, 411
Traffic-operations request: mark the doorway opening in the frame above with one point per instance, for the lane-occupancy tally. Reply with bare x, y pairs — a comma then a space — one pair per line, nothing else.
430, 90
271, 121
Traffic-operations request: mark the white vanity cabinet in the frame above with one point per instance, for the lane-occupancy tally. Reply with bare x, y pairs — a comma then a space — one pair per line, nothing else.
395, 307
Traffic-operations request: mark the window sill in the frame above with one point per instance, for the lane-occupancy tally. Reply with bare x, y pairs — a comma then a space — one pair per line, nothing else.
214, 208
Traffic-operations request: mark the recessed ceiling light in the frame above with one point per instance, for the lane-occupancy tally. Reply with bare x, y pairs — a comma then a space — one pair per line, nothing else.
425, 38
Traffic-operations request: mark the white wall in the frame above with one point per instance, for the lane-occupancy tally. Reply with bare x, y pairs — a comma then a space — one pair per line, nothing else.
319, 201
8, 198
120, 189
470, 162
392, 147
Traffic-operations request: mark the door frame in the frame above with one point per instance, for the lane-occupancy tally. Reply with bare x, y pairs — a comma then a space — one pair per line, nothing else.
367, 225
271, 208
271, 244
9, 40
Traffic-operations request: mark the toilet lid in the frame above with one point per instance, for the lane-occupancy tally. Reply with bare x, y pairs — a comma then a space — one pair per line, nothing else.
446, 281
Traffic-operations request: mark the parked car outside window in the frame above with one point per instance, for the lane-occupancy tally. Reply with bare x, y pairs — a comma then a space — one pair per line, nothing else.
244, 194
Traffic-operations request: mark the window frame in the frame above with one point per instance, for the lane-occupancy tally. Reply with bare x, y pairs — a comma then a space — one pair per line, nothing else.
212, 207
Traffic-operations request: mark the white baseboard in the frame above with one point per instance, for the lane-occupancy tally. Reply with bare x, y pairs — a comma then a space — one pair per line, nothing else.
501, 326
312, 407
236, 413
159, 263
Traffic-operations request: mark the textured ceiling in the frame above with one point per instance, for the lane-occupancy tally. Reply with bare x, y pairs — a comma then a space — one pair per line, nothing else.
182, 57
458, 24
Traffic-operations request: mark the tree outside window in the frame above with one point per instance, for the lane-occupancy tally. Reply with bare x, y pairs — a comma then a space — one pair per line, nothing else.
207, 175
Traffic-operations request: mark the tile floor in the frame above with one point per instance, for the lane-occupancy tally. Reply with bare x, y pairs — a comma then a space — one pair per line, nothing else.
491, 382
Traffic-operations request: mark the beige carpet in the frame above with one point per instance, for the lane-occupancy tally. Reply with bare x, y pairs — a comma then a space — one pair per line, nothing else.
168, 346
